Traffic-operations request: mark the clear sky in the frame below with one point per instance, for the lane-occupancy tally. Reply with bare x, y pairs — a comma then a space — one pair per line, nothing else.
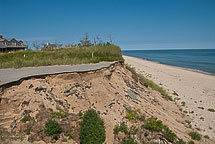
133, 24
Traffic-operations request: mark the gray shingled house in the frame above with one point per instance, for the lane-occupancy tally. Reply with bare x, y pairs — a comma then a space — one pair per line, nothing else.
9, 45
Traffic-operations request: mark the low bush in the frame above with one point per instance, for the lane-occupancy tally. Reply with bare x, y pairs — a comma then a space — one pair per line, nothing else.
153, 124
181, 142
27, 118
53, 129
195, 135
129, 141
169, 135
92, 128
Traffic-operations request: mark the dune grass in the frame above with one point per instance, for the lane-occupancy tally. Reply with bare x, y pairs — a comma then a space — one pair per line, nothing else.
63, 56
148, 83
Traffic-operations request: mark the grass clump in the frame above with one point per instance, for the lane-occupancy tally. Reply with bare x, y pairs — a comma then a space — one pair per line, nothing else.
120, 128
59, 114
195, 135
63, 56
69, 135
191, 142
129, 141
169, 135
92, 128
207, 137
132, 115
53, 129
27, 118
154, 125
148, 83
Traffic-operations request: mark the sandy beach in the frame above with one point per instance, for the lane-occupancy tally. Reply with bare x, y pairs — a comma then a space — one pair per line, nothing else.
196, 91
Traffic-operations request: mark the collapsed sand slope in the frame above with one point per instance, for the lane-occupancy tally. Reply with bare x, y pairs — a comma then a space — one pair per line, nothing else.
195, 89
105, 90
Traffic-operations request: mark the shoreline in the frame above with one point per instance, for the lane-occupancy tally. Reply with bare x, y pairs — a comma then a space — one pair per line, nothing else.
189, 69
196, 91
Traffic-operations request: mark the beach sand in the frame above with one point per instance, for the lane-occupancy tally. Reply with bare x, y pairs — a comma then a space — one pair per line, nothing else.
196, 91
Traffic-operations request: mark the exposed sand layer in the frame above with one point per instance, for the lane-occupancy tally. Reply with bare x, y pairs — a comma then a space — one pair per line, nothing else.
196, 89
105, 91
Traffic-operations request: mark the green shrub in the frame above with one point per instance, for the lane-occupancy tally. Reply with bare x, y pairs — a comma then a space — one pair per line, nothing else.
122, 128
207, 137
129, 141
153, 124
27, 118
169, 135
69, 135
53, 129
132, 115
195, 135
60, 114
191, 142
92, 128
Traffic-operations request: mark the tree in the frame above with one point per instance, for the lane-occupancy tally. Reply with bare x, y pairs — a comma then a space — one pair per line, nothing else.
85, 41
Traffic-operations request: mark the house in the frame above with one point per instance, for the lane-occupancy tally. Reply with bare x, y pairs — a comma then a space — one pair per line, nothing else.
9, 45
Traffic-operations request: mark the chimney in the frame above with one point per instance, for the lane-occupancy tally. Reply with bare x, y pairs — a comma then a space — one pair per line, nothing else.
1, 37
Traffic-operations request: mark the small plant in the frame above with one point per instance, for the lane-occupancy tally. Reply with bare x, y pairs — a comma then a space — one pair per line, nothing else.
28, 131
195, 135
211, 110
27, 118
191, 142
64, 140
122, 128
53, 129
69, 135
80, 115
153, 124
60, 114
146, 134
129, 141
132, 115
169, 135
207, 137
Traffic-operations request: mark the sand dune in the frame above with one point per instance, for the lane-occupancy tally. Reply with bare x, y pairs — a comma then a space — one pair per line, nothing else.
196, 91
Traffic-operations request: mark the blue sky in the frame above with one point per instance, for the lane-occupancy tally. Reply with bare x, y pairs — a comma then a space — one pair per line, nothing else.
133, 24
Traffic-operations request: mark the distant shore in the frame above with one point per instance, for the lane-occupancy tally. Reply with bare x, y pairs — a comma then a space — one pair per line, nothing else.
195, 89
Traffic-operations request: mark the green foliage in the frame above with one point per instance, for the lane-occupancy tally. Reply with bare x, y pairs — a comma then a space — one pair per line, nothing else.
148, 83
28, 131
64, 56
153, 124
133, 116
191, 142
64, 140
207, 137
69, 135
80, 115
181, 142
53, 129
169, 135
129, 141
92, 128
27, 118
132, 130
195, 135
60, 114
122, 128
146, 134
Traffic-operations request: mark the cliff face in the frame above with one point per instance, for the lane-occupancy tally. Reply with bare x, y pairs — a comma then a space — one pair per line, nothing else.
111, 92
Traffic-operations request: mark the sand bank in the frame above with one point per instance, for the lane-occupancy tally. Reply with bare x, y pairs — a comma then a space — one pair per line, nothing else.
196, 91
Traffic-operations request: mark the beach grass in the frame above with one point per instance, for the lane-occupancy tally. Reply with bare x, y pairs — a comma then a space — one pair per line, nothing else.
148, 83
63, 56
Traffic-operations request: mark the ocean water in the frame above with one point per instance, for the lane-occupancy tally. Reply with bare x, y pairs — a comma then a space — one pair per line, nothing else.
196, 59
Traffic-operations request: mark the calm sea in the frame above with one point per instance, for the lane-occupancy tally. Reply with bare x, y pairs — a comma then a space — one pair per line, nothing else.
197, 59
